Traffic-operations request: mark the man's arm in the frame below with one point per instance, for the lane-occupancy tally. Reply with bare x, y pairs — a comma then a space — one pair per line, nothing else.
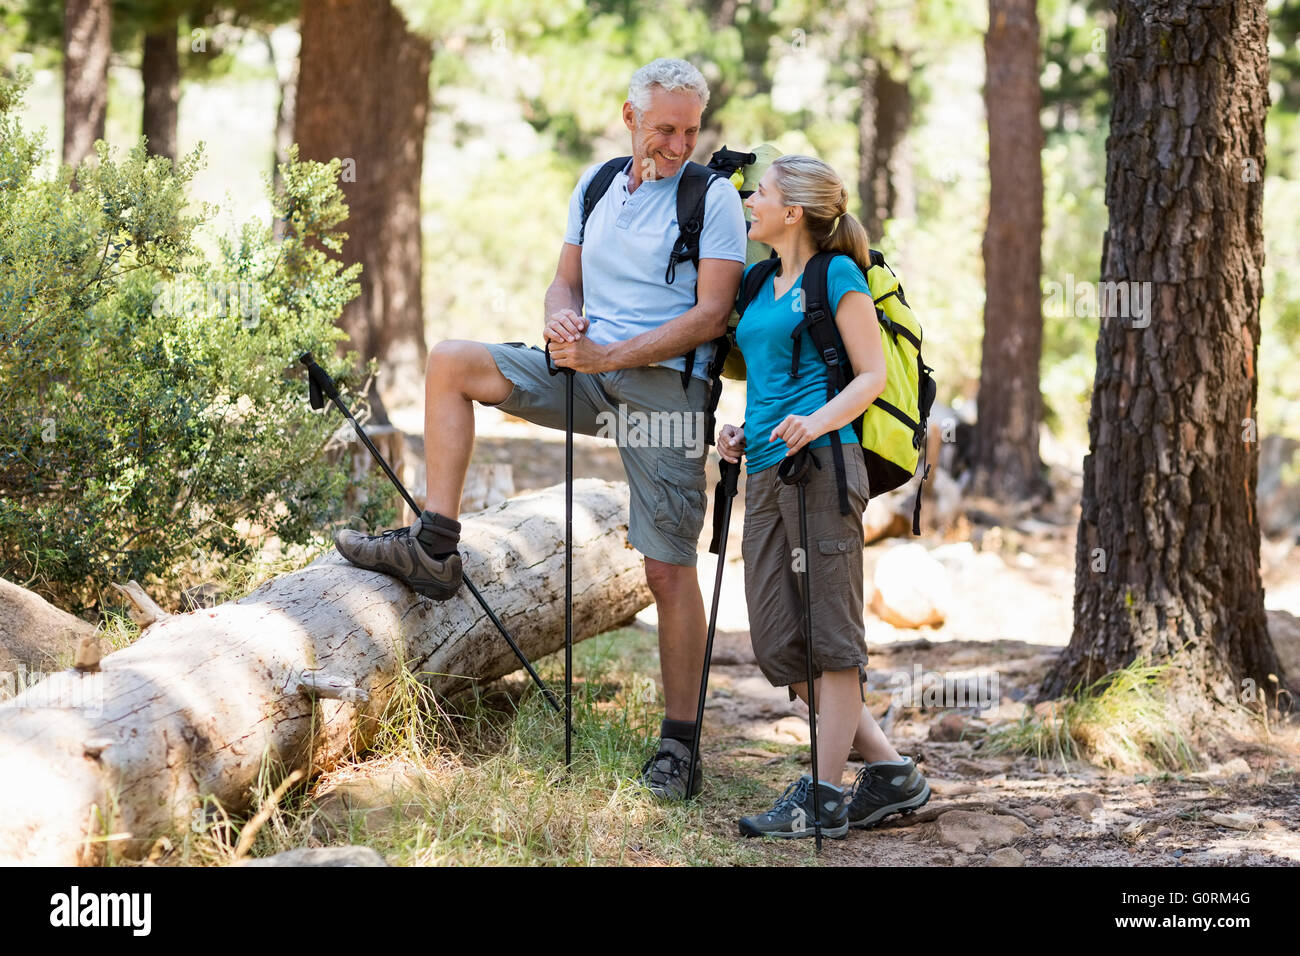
563, 302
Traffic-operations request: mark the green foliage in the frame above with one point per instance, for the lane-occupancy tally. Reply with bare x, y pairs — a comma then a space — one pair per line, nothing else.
154, 411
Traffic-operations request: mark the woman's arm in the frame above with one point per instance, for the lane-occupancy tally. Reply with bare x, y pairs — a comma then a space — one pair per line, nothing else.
856, 320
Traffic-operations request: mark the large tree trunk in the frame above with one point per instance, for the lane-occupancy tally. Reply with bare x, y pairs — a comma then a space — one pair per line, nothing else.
1168, 543
363, 96
86, 46
160, 71
200, 700
1006, 462
885, 114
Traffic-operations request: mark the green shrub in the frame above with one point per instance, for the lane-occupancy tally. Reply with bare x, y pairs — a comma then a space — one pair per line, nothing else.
154, 410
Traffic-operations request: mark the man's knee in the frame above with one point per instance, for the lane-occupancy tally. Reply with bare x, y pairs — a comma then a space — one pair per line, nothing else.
466, 369
667, 580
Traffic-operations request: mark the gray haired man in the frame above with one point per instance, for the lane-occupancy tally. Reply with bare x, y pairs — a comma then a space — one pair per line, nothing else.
628, 352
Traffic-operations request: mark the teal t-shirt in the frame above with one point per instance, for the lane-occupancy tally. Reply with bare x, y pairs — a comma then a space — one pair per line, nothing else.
763, 337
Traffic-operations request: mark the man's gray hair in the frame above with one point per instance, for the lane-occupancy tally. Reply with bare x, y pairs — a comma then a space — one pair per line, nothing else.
668, 75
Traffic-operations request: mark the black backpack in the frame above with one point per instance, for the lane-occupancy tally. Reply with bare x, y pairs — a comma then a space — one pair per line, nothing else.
691, 191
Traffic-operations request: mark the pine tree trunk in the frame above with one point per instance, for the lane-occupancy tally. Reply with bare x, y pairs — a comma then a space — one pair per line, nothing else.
160, 71
884, 117
86, 47
1007, 466
363, 96
1168, 543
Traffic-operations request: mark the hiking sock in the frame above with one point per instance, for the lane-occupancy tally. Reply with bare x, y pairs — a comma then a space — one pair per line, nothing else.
437, 534
682, 731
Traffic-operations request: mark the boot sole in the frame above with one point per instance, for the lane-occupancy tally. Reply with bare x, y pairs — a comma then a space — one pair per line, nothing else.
903, 807
833, 833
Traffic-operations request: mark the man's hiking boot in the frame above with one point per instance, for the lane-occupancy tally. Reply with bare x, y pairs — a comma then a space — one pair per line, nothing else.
884, 788
792, 815
400, 553
665, 773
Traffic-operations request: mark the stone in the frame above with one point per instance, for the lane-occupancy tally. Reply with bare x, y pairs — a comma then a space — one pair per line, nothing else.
1083, 803
912, 588
1054, 852
984, 830
1234, 821
1040, 812
948, 729
321, 856
1007, 856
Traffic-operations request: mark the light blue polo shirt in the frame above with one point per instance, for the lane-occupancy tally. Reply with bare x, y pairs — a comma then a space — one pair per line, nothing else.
625, 256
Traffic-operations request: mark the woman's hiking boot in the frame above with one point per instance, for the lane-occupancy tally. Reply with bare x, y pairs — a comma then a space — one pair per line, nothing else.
408, 554
792, 815
886, 787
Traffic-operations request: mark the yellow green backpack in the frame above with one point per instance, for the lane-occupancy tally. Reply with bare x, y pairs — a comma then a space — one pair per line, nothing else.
893, 428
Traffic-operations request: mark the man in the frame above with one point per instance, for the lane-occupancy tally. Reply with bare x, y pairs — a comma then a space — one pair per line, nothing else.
628, 354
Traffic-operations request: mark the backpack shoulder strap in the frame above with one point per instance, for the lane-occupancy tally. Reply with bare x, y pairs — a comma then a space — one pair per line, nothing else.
819, 321
597, 187
817, 310
692, 189
754, 281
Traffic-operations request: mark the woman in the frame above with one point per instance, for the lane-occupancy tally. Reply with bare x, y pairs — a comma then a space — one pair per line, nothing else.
800, 209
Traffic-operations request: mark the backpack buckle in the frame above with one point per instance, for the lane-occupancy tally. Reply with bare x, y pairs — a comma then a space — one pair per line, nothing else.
831, 356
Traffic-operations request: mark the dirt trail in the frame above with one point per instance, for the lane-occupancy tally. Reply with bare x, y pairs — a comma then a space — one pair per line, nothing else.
1013, 587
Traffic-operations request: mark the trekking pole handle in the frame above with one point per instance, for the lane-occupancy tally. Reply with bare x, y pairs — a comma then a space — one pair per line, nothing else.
551, 366
729, 472
319, 378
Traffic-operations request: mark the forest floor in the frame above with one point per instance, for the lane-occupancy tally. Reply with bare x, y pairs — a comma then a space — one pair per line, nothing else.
1238, 805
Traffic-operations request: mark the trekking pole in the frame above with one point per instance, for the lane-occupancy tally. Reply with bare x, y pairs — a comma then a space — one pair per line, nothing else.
729, 473
320, 382
568, 554
794, 471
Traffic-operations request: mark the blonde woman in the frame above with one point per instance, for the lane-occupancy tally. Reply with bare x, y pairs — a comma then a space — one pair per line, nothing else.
800, 209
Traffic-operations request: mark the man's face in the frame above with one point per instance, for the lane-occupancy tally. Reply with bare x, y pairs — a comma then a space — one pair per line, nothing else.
665, 136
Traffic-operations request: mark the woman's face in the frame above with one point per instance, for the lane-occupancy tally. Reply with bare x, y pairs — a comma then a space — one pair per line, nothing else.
769, 210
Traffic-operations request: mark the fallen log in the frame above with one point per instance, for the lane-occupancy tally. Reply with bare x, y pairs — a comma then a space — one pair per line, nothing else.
295, 672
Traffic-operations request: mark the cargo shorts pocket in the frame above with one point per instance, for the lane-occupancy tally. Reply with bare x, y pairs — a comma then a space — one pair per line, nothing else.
680, 499
834, 559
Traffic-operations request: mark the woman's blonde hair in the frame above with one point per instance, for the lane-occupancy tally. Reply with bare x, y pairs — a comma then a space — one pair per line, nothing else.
814, 185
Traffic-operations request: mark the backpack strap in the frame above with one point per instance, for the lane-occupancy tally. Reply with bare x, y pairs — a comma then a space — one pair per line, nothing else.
597, 187
819, 323
692, 190
754, 281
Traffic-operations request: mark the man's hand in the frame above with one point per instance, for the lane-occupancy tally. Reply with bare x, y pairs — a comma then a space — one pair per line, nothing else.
581, 355
731, 443
564, 326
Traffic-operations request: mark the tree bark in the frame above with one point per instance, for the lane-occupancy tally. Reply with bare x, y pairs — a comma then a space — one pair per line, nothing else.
193, 708
363, 96
885, 115
1169, 538
1006, 462
160, 71
86, 47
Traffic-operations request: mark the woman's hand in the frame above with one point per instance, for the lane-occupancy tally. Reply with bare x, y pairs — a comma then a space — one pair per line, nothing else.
797, 431
731, 443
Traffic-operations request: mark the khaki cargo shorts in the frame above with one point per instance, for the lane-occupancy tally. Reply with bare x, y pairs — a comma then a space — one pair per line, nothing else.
774, 589
659, 428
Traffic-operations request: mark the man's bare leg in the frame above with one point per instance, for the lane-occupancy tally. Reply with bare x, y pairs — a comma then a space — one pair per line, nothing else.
458, 374
843, 718
682, 634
